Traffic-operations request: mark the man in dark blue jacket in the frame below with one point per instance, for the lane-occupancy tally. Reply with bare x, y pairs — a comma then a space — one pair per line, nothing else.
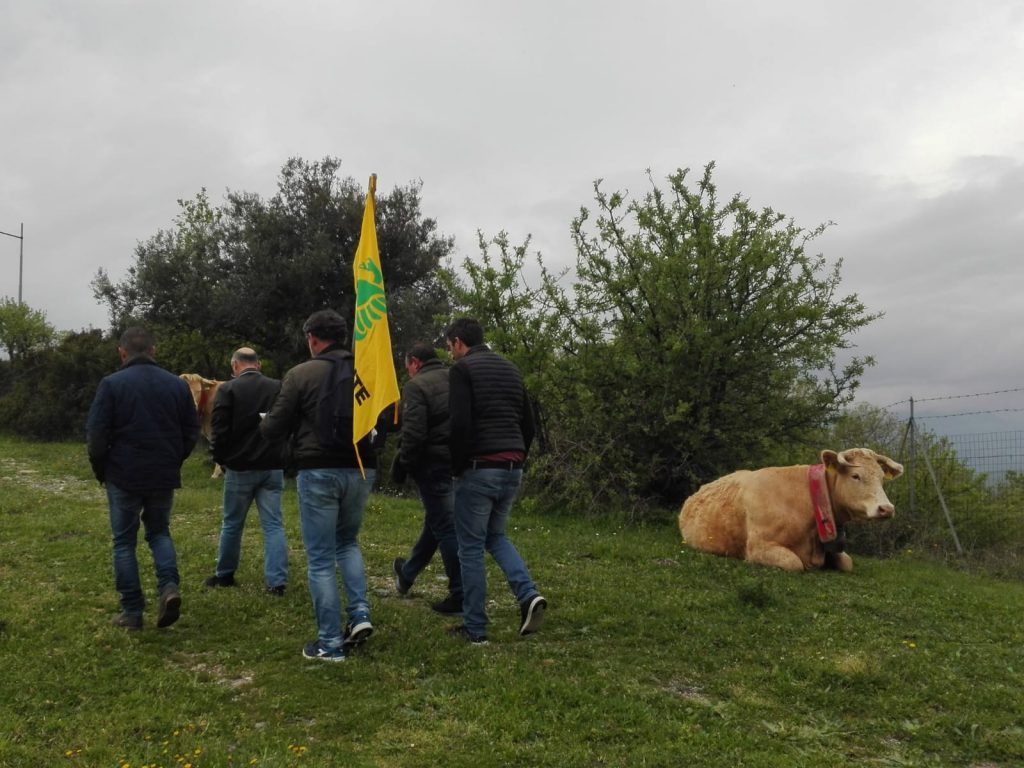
141, 427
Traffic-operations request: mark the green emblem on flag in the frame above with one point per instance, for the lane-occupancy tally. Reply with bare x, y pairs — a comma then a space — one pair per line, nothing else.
371, 304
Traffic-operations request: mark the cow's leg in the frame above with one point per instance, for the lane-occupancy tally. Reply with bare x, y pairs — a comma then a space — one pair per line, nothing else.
776, 556
839, 561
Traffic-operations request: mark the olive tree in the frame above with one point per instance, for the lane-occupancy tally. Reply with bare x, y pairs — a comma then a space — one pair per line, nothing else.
251, 269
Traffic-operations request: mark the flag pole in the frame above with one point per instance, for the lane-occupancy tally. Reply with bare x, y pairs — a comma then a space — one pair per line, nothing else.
376, 383
371, 194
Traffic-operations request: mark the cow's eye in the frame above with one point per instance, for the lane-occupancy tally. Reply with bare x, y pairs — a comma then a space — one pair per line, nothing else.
855, 476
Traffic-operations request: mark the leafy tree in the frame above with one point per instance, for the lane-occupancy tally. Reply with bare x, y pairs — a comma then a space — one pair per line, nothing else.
695, 338
23, 330
253, 269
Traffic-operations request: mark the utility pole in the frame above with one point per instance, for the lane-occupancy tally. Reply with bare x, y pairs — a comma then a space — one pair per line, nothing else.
21, 255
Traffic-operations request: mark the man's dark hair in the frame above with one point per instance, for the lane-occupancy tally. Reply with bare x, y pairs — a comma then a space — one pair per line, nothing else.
422, 351
467, 329
136, 341
326, 324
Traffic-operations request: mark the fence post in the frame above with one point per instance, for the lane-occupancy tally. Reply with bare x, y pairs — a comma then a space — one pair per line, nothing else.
910, 462
942, 501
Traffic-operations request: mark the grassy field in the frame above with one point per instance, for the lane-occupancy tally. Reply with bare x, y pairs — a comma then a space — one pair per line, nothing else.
652, 655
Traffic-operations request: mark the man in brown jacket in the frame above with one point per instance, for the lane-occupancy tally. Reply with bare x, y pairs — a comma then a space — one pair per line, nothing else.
332, 491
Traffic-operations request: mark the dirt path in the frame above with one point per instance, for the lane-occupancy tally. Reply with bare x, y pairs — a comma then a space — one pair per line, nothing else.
23, 474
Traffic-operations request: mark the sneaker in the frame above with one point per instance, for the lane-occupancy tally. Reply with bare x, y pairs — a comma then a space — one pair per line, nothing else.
401, 585
170, 606
450, 606
315, 651
278, 591
462, 633
221, 581
531, 612
130, 621
356, 634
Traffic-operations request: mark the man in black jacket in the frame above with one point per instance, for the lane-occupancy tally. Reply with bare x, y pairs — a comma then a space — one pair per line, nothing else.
141, 427
254, 471
424, 454
332, 490
491, 431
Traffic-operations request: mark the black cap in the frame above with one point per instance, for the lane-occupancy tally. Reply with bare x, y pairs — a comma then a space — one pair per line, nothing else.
326, 324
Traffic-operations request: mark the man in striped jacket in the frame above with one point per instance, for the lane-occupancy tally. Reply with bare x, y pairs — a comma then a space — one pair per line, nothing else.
491, 431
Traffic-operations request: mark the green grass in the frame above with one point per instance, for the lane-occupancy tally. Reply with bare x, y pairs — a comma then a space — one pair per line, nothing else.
651, 656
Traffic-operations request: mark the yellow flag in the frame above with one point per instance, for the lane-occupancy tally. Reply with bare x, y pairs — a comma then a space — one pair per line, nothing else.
376, 384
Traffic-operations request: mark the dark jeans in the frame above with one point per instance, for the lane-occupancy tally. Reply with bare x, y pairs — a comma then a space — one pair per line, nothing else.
153, 508
435, 486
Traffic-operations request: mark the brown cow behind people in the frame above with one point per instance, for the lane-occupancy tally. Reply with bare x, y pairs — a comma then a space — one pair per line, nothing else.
792, 518
203, 391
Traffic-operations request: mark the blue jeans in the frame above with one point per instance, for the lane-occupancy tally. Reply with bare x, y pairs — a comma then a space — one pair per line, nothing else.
435, 486
331, 504
483, 500
153, 508
241, 488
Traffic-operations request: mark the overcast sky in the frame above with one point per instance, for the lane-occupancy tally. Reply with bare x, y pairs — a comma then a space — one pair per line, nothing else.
902, 122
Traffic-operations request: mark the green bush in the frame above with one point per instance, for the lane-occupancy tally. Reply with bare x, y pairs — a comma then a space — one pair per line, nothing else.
47, 396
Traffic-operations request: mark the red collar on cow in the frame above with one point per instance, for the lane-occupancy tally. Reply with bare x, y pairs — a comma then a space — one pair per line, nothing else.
204, 395
823, 517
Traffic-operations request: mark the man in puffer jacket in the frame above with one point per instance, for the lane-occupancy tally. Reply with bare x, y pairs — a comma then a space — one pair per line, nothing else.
424, 454
491, 431
141, 427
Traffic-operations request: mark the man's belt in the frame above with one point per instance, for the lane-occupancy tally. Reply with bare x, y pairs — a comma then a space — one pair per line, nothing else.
509, 465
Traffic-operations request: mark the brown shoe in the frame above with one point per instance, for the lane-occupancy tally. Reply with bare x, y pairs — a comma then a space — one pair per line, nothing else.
130, 621
170, 606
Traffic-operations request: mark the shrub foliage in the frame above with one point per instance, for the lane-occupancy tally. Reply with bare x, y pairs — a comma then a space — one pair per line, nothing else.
697, 337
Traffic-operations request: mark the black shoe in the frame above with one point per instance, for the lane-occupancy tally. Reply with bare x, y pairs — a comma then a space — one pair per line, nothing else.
462, 633
130, 621
221, 581
531, 612
170, 606
356, 634
278, 591
316, 651
401, 585
450, 606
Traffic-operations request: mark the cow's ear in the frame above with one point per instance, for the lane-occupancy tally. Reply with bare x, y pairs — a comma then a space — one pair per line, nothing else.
890, 468
830, 459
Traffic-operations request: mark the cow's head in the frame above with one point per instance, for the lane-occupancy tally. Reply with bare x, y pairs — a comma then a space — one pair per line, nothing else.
202, 391
856, 482
195, 385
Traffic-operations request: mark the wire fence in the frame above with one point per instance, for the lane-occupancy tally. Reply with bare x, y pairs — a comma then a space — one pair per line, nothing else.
965, 492
992, 454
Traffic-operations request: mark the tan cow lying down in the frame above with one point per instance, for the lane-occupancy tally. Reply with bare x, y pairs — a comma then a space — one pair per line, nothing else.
770, 516
203, 392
